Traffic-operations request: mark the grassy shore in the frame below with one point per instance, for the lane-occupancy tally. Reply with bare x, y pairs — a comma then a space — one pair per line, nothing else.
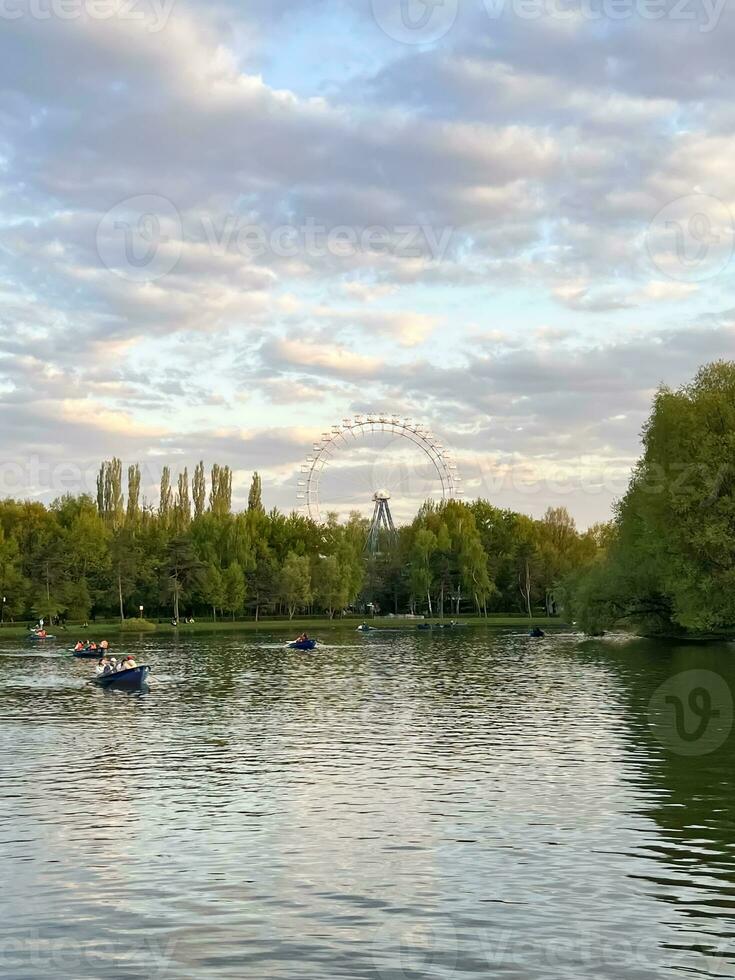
100, 629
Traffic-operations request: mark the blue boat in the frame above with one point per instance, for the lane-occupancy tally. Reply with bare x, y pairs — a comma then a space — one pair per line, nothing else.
537, 633
39, 639
127, 680
87, 654
302, 645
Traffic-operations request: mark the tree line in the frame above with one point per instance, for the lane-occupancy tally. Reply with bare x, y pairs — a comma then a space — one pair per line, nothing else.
190, 554
666, 564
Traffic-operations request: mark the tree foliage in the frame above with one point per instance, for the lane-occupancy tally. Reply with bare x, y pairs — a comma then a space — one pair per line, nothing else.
668, 563
83, 557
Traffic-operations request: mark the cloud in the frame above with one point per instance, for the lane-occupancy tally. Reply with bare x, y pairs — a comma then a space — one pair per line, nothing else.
498, 233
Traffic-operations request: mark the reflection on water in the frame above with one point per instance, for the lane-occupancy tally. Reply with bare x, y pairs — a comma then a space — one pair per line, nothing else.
391, 806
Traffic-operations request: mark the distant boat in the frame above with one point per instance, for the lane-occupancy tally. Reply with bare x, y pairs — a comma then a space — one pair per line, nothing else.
87, 654
302, 645
39, 637
129, 680
441, 626
536, 632
365, 628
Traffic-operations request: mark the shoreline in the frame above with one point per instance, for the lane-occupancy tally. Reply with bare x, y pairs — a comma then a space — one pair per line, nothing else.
102, 628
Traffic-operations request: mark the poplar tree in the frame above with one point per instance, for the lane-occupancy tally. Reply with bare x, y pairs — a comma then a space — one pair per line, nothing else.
183, 502
133, 511
255, 497
199, 489
166, 497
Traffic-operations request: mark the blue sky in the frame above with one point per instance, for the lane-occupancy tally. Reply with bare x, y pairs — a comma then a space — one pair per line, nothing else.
225, 227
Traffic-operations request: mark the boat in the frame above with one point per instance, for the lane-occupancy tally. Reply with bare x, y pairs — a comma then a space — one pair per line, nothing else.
129, 680
87, 654
302, 645
366, 629
537, 633
39, 637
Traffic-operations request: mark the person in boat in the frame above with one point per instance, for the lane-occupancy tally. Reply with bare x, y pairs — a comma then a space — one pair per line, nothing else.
104, 645
129, 663
78, 646
103, 666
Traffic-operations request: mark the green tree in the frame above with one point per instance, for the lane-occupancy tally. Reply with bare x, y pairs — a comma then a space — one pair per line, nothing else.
133, 509
212, 588
182, 507
234, 590
184, 571
295, 586
331, 587
255, 497
670, 565
199, 490
165, 500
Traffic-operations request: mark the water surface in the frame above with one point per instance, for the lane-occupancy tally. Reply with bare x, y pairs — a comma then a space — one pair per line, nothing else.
392, 806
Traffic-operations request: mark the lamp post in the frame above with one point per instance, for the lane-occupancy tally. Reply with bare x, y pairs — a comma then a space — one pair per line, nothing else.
140, 610
2, 612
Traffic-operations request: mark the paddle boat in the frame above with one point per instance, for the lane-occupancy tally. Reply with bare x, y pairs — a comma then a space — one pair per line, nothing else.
128, 680
307, 644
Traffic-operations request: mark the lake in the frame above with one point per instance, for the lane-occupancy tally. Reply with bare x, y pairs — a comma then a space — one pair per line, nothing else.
392, 806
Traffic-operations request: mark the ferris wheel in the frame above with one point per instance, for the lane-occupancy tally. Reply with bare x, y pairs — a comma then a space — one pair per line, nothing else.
401, 460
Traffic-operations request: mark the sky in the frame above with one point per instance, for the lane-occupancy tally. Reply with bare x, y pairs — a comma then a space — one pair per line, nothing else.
226, 227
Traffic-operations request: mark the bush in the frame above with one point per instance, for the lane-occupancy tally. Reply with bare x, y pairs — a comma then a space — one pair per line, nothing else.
137, 626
